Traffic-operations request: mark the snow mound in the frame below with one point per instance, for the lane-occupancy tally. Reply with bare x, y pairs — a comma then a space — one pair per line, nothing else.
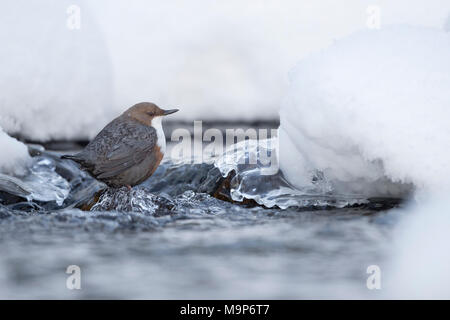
56, 81
15, 155
214, 60
373, 106
419, 268
372, 113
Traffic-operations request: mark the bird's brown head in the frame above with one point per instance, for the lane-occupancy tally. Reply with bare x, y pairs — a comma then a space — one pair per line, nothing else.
144, 112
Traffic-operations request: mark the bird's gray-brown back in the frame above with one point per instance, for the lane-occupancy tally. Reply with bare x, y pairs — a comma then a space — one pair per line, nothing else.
120, 145
129, 149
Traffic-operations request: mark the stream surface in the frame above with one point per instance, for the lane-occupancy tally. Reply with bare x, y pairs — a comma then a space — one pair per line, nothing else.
190, 245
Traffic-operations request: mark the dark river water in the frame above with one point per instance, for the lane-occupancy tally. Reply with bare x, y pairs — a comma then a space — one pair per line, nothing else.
190, 245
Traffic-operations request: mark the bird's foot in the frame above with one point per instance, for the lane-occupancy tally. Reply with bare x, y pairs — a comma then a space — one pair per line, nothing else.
128, 187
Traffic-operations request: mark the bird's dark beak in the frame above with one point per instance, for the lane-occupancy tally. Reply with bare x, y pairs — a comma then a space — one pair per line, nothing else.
167, 112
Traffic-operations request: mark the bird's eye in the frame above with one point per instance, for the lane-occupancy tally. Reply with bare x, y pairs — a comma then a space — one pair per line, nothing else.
151, 114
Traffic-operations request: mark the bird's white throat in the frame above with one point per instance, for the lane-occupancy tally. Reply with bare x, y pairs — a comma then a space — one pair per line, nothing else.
161, 138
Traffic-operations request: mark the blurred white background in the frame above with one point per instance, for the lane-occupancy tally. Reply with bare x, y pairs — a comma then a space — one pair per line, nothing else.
223, 60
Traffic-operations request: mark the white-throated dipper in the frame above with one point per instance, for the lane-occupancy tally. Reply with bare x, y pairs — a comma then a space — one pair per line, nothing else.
129, 149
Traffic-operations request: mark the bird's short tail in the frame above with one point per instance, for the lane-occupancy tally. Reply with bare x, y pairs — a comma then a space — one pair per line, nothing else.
74, 157
78, 158
68, 156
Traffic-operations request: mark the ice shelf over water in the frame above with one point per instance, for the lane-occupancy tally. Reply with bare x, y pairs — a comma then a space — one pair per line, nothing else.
40, 183
254, 167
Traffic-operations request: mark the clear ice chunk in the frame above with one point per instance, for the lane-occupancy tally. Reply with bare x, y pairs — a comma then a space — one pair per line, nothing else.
257, 177
40, 183
138, 199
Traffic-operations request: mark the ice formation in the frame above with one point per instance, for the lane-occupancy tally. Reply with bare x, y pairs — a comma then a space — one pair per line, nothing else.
39, 182
253, 168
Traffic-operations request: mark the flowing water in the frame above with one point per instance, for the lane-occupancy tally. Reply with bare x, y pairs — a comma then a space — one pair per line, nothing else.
173, 238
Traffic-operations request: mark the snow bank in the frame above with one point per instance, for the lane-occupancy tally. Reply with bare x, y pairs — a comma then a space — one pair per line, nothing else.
421, 252
371, 106
374, 108
447, 24
56, 82
213, 60
14, 157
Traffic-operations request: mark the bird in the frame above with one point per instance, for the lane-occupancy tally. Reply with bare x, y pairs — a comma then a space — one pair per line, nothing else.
127, 151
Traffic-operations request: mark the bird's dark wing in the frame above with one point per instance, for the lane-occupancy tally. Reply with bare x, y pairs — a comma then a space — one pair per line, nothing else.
118, 147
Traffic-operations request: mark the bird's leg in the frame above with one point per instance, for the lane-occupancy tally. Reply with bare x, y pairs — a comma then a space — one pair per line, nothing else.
129, 187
